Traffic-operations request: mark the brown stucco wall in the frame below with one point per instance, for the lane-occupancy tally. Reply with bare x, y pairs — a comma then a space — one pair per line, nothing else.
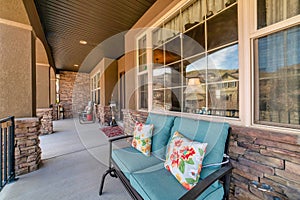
111, 80
17, 8
52, 86
17, 71
42, 86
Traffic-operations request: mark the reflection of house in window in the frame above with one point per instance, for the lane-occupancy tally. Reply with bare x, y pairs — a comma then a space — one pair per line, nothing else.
194, 95
223, 97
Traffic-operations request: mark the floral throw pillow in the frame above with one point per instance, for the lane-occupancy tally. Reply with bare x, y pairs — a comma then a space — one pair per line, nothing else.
142, 135
184, 159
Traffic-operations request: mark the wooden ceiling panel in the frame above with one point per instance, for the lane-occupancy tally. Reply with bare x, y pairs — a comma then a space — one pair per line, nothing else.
66, 22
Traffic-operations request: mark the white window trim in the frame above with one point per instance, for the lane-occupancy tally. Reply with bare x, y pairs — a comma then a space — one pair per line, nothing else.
94, 76
255, 34
141, 35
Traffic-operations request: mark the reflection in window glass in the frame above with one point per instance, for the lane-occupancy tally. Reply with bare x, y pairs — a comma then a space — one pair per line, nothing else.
195, 68
158, 73
173, 75
173, 99
222, 29
223, 77
158, 99
199, 66
278, 78
143, 91
142, 54
173, 50
194, 41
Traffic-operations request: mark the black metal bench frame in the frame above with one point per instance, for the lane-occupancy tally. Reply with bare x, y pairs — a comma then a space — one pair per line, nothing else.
222, 174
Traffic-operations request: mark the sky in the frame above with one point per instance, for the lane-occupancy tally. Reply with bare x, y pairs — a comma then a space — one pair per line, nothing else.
226, 58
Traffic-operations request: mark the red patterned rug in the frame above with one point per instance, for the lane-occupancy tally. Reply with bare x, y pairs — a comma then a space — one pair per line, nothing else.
112, 131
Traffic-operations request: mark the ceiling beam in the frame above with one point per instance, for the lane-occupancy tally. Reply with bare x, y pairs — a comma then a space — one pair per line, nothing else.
38, 29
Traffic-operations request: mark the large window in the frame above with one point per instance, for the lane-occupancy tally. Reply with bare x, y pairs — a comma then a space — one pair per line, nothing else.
278, 78
142, 74
277, 65
95, 86
195, 56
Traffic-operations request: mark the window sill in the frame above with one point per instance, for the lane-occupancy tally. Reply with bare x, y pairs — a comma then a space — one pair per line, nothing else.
213, 118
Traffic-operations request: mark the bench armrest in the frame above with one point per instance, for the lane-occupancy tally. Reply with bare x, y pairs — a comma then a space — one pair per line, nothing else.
110, 146
119, 138
202, 185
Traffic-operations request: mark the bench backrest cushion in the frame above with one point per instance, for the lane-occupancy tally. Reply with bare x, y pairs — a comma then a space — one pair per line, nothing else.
213, 133
161, 133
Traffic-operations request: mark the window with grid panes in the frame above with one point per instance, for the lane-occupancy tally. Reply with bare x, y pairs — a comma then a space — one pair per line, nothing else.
142, 74
195, 56
277, 65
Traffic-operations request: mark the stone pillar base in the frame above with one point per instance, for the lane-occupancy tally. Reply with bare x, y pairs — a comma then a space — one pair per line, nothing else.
27, 145
46, 115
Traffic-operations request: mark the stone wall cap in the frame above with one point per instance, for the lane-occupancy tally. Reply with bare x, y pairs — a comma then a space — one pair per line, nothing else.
27, 119
43, 109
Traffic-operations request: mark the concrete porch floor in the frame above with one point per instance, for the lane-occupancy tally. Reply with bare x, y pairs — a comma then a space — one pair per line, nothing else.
73, 161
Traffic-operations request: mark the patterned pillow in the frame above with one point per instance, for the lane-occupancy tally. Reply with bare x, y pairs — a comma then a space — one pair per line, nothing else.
184, 159
142, 135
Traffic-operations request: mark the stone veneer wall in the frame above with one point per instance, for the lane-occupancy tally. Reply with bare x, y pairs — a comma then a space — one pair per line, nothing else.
264, 156
27, 149
81, 92
130, 116
46, 115
55, 112
103, 114
268, 157
74, 92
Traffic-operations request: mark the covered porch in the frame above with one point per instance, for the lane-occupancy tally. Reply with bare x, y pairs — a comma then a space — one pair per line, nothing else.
234, 61
74, 158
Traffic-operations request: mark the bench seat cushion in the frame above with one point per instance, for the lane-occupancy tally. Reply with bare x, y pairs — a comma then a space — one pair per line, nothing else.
158, 183
130, 160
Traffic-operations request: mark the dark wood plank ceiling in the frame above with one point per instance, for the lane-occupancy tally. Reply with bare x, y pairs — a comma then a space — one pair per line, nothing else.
66, 22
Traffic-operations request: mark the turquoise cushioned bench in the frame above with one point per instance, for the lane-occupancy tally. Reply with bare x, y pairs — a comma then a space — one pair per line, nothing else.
146, 178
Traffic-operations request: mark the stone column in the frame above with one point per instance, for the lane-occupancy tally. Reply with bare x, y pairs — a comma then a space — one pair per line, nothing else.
46, 115
27, 149
104, 114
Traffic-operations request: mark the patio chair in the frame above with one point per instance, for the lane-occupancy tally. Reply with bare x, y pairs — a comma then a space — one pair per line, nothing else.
87, 116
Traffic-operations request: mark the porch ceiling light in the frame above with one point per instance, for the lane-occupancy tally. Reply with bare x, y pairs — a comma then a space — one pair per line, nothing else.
75, 65
83, 42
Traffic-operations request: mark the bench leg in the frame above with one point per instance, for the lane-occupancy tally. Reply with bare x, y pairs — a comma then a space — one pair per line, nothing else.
112, 173
226, 186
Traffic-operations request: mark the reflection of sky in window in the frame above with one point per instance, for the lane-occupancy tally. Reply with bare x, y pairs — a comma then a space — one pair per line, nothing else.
279, 50
226, 58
